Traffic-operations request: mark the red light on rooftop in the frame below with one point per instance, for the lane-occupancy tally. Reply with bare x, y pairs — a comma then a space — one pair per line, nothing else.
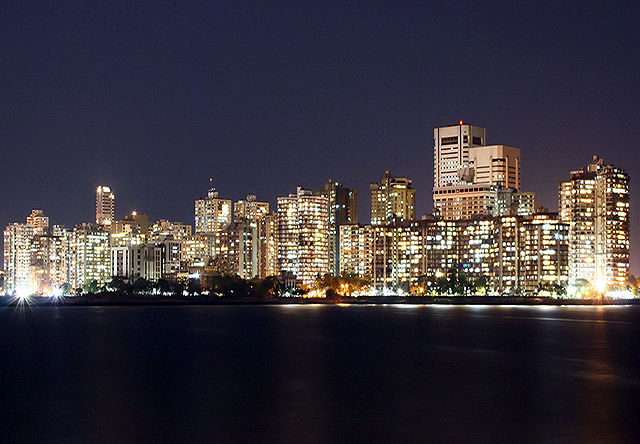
461, 122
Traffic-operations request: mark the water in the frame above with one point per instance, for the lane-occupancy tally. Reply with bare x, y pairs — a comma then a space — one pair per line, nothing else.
320, 374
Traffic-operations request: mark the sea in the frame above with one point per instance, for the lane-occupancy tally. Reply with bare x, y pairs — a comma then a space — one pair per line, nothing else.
320, 373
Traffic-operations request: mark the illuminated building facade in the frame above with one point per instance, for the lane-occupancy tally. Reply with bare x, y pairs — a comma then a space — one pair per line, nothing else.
397, 256
212, 214
171, 256
138, 261
303, 236
35, 256
249, 209
356, 250
475, 238
163, 229
497, 165
469, 175
130, 235
464, 201
393, 199
451, 146
268, 245
486, 186
543, 252
343, 209
197, 250
17, 258
237, 250
105, 204
38, 221
89, 255
49, 260
440, 241
595, 204
511, 203
504, 255
513, 254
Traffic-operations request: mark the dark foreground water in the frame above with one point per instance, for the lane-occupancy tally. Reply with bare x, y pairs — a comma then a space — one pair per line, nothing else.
320, 374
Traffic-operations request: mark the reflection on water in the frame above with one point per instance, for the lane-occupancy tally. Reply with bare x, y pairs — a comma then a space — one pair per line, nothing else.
406, 373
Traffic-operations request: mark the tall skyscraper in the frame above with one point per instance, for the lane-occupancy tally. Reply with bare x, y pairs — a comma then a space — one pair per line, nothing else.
392, 200
595, 204
468, 175
303, 236
489, 170
212, 214
105, 203
451, 152
343, 209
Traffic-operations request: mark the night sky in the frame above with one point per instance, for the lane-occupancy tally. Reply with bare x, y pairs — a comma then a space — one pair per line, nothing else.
154, 98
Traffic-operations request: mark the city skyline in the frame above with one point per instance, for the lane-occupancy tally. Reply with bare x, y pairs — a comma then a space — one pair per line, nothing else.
319, 221
507, 244
284, 102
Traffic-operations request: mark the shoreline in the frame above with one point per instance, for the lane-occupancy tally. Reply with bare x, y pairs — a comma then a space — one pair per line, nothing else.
128, 300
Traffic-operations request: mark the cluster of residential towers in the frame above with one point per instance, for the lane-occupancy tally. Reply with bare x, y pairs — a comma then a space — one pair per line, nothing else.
482, 225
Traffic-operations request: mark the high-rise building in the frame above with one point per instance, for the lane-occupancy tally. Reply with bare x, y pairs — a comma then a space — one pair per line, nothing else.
237, 250
451, 152
212, 214
512, 253
505, 254
17, 258
497, 165
544, 252
249, 209
397, 256
35, 256
356, 250
392, 200
268, 245
464, 201
303, 236
105, 203
49, 260
469, 175
89, 255
138, 261
343, 209
595, 204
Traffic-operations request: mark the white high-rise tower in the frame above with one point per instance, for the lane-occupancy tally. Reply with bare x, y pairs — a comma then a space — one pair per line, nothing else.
451, 152
105, 201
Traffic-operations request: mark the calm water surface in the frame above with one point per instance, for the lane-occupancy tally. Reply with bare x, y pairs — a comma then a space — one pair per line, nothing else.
320, 374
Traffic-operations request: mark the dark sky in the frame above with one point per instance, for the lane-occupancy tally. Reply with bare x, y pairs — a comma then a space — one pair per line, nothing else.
153, 98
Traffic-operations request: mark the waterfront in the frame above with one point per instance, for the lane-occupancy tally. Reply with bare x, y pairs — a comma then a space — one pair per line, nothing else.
320, 373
